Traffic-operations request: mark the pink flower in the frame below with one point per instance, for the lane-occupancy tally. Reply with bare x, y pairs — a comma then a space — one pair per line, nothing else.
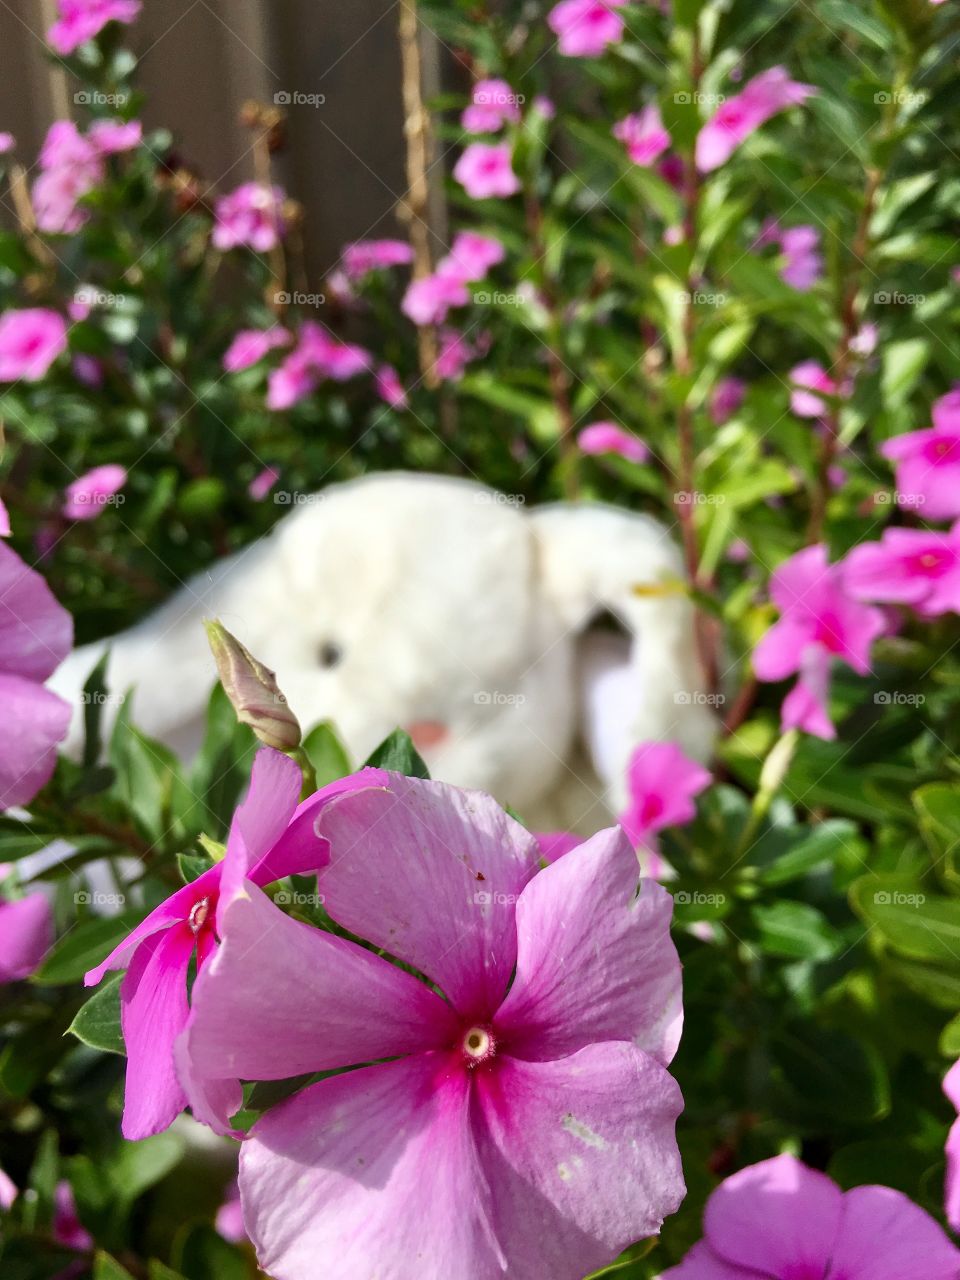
36, 634
454, 354
585, 27
4, 521
726, 399
555, 844
8, 1191
819, 621
87, 496
607, 437
249, 346
804, 265
661, 785
951, 1087
471, 256
229, 1221
809, 377
363, 256
946, 411
87, 370
252, 216
262, 483
292, 381
908, 566
7, 143
780, 1220
113, 136
544, 106
519, 1124
428, 299
485, 170
928, 470
493, 105
66, 1228
81, 20
734, 120
272, 835
643, 135
71, 166
30, 341
26, 935
389, 387
317, 355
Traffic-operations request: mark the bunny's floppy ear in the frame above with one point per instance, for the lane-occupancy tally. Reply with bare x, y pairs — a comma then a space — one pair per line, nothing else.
644, 684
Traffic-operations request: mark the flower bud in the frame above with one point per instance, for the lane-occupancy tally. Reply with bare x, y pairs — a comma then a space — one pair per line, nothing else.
253, 691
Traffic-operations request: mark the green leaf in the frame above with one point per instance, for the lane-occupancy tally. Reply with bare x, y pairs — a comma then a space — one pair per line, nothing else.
107, 1268
398, 754
829, 1075
902, 364
97, 1022
917, 924
950, 1038
94, 700
157, 1271
140, 1165
326, 753
796, 931
83, 948
811, 847
192, 866
939, 808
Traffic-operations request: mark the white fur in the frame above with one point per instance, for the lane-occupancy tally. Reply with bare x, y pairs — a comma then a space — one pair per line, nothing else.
450, 604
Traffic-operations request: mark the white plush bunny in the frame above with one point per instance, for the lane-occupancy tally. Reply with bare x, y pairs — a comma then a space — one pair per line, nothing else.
448, 609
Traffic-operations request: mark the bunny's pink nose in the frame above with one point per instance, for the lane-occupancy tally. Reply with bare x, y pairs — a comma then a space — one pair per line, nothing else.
427, 733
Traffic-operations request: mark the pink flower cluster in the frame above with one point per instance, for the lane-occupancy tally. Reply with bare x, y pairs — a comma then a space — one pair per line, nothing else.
738, 117
362, 257
471, 256
607, 437
493, 104
72, 165
485, 171
249, 346
30, 341
928, 462
802, 264
643, 134
316, 356
585, 28
81, 20
251, 216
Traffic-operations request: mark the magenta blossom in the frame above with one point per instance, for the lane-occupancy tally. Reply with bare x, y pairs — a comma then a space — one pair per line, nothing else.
607, 437
8, 1191
318, 355
26, 935
7, 142
915, 567
249, 346
262, 483
454, 353
90, 493
584, 28
726, 399
661, 785
928, 462
951, 1087
4, 521
740, 116
810, 378
485, 171
272, 835
36, 634
82, 20
66, 1228
780, 1220
30, 341
554, 844
71, 166
113, 136
523, 1121
471, 256
643, 134
428, 299
362, 257
389, 387
819, 621
493, 105
803, 262
251, 216
229, 1220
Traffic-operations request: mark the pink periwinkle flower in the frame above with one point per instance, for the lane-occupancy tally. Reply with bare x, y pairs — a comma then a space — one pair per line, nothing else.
8, 1191
318, 355
492, 105
951, 1087
113, 136
927, 468
471, 256
249, 346
88, 495
229, 1219
608, 437
864, 341
72, 165
726, 399
643, 134
518, 1117
81, 20
4, 521
251, 216
7, 142
292, 381
809, 378
803, 262
544, 106
946, 411
262, 483
780, 1220
26, 935
362, 257
661, 785
272, 835
819, 621
428, 299
454, 353
555, 844
915, 567
584, 28
87, 370
740, 116
485, 171
389, 387
66, 1228
30, 341
36, 634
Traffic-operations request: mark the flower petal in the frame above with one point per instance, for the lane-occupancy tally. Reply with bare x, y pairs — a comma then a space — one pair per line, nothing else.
153, 1011
580, 1156
775, 1215
36, 632
375, 1173
34, 721
281, 998
26, 933
701, 1263
885, 1236
431, 873
595, 959
951, 1087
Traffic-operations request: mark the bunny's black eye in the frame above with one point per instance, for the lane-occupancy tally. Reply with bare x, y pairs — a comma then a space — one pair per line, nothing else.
330, 654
